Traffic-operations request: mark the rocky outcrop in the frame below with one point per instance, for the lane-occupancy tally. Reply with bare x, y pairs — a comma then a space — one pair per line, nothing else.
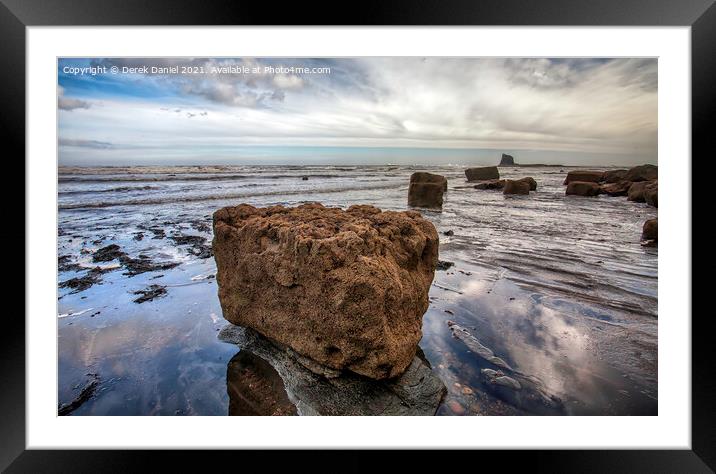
650, 232
616, 189
507, 160
651, 194
614, 176
426, 190
639, 190
642, 173
530, 181
516, 187
482, 174
346, 288
584, 176
418, 391
583, 188
491, 184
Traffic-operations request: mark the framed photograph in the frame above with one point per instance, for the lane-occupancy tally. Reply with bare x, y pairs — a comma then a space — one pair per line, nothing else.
427, 226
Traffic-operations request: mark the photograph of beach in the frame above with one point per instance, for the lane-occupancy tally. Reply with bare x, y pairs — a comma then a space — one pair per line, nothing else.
394, 236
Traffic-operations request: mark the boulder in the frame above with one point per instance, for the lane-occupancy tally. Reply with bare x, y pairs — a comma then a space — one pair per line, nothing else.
584, 176
583, 188
614, 176
507, 160
650, 231
346, 288
638, 191
651, 194
616, 189
426, 190
491, 184
482, 174
529, 180
516, 187
642, 173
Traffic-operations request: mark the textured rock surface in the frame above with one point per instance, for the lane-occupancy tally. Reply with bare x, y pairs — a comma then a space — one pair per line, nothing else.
639, 190
584, 176
491, 184
418, 391
614, 176
616, 189
651, 194
582, 188
516, 187
426, 190
642, 173
530, 181
482, 174
347, 289
507, 160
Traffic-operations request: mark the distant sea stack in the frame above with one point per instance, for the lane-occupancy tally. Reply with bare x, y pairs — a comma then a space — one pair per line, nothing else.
507, 160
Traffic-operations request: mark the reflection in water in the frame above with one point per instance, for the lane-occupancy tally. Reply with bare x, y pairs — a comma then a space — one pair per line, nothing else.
417, 392
255, 388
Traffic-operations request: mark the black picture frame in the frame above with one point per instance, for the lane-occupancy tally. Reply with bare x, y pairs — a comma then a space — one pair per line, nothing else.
16, 15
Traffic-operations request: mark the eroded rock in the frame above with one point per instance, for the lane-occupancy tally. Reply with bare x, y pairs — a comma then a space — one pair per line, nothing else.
583, 188
586, 176
426, 190
346, 288
516, 187
642, 173
482, 173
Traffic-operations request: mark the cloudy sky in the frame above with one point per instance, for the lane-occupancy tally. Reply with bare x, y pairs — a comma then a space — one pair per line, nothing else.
353, 111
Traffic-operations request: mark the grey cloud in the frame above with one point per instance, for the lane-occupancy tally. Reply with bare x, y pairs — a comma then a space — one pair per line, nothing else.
67, 103
85, 143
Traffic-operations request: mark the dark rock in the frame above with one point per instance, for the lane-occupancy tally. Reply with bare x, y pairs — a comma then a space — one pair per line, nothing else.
582, 188
85, 394
585, 176
78, 284
651, 194
108, 253
426, 190
529, 180
491, 184
418, 391
347, 289
507, 160
614, 176
482, 173
638, 191
516, 187
443, 265
304, 178
151, 292
449, 233
642, 173
650, 231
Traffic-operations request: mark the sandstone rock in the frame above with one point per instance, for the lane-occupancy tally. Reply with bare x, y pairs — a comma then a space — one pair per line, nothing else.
507, 160
529, 180
638, 191
650, 231
516, 187
584, 176
426, 190
482, 174
582, 188
491, 184
642, 173
614, 176
616, 189
347, 289
418, 391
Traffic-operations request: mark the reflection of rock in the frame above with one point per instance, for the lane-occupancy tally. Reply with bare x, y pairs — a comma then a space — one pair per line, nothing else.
416, 392
483, 173
476, 346
346, 288
255, 388
426, 190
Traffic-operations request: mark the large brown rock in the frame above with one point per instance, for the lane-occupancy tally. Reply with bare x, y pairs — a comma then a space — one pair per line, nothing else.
347, 289
638, 190
583, 188
426, 190
642, 173
516, 187
614, 176
530, 181
616, 189
482, 174
584, 176
650, 231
